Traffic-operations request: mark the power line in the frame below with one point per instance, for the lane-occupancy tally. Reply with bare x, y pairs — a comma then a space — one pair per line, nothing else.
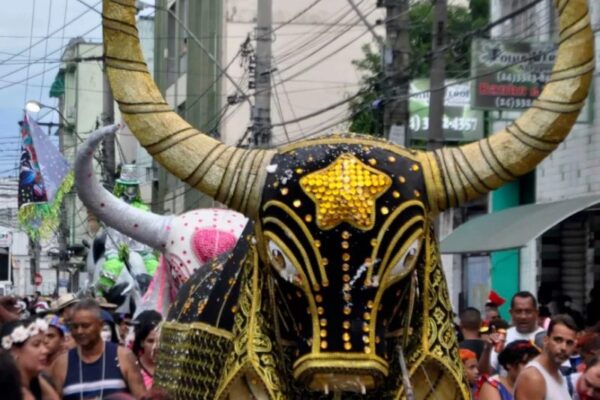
46, 37
30, 42
46, 45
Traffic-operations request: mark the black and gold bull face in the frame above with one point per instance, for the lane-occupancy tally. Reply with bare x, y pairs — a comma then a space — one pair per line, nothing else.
344, 224
342, 274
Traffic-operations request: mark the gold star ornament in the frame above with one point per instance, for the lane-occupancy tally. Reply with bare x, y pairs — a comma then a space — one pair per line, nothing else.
345, 191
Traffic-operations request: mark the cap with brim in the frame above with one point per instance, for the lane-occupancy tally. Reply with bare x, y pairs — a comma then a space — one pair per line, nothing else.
64, 301
103, 303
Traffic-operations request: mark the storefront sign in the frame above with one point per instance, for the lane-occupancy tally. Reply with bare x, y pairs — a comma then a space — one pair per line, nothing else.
509, 75
460, 121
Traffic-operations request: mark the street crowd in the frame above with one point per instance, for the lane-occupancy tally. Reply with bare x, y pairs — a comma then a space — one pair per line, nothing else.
80, 348
75, 348
542, 356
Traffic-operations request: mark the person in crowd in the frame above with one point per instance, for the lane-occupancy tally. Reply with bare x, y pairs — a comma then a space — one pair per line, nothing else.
470, 323
513, 359
492, 307
24, 340
541, 379
494, 338
109, 330
54, 338
10, 379
524, 315
123, 322
470, 364
64, 306
588, 385
588, 345
146, 331
94, 368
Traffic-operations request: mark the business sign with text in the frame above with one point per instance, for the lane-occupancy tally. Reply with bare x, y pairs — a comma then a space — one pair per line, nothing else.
509, 75
460, 121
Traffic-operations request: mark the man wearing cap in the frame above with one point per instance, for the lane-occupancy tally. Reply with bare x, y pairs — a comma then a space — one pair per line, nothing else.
64, 306
494, 302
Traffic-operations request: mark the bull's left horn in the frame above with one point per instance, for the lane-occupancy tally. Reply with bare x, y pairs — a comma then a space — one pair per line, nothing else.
465, 172
229, 174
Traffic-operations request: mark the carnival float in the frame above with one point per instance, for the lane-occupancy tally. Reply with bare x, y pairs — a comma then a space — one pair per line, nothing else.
336, 290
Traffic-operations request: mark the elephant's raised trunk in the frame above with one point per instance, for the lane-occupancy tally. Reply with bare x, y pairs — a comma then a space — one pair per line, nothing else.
143, 226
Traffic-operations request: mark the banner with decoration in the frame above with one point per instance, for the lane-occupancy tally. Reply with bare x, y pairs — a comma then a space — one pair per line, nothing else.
44, 179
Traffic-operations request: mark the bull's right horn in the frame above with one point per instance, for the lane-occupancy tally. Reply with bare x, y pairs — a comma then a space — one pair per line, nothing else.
231, 175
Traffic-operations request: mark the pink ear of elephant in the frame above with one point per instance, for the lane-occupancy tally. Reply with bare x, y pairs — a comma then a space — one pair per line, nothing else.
209, 243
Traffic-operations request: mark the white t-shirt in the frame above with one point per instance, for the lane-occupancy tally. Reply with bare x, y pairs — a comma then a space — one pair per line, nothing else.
511, 335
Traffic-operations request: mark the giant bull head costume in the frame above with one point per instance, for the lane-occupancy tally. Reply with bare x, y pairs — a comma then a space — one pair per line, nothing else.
186, 241
341, 276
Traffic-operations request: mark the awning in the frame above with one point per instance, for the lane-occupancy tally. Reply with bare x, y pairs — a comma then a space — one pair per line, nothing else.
512, 228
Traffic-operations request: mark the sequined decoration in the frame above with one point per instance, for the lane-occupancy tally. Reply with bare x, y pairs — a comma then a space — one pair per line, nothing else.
345, 191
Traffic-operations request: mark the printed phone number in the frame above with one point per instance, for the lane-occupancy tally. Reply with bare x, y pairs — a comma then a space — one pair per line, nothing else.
463, 124
513, 102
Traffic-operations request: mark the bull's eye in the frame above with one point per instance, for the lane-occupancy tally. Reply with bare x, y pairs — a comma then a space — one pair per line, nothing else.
282, 264
407, 261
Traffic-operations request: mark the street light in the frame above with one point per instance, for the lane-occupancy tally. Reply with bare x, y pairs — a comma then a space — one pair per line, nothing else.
35, 106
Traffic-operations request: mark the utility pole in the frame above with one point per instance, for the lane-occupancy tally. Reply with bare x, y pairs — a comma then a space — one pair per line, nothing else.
261, 112
438, 76
396, 64
108, 143
63, 226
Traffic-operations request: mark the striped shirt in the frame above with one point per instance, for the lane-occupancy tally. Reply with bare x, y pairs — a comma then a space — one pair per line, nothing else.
88, 381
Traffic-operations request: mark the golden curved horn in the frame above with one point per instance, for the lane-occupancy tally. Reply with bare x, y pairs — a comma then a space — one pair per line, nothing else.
229, 174
465, 172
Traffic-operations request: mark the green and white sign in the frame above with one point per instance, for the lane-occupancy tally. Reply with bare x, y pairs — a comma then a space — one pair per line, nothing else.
460, 122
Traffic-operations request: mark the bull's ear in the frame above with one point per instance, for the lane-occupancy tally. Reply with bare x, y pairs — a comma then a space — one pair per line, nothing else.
230, 175
465, 172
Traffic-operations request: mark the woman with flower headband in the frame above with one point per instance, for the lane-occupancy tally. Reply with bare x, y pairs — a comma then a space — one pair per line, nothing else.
24, 340
513, 358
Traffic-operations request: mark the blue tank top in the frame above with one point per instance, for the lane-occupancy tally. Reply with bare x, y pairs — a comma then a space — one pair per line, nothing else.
88, 381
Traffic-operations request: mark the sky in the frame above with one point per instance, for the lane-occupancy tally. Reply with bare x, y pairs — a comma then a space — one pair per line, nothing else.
33, 35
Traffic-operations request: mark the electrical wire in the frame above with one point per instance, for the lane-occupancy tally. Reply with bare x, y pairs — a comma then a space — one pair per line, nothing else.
30, 42
45, 37
46, 45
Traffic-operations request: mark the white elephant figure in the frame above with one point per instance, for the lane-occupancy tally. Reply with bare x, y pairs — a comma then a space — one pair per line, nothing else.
186, 241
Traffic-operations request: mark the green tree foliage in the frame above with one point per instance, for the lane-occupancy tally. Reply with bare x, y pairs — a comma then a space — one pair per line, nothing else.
367, 107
